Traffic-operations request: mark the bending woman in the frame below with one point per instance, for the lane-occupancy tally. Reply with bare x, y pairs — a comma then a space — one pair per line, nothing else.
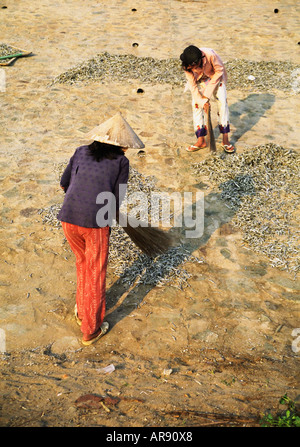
93, 169
206, 77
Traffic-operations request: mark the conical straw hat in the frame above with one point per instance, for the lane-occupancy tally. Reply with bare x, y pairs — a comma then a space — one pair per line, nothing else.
116, 131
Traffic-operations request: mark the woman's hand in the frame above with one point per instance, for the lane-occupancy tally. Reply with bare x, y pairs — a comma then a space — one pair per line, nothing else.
206, 107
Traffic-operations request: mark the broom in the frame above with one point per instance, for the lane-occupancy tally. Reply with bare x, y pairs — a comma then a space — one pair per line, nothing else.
210, 133
152, 241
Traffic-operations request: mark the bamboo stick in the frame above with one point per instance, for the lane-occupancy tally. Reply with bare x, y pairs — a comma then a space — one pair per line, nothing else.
210, 133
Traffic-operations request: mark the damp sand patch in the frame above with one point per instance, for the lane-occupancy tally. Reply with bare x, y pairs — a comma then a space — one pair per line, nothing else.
242, 74
262, 186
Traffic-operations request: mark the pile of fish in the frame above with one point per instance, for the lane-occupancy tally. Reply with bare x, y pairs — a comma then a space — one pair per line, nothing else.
6, 50
126, 261
261, 76
120, 68
129, 263
242, 74
262, 186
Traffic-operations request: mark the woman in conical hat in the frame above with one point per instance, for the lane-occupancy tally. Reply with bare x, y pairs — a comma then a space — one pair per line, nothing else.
93, 170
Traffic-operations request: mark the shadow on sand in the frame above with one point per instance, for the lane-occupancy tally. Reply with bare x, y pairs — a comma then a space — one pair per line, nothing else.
245, 113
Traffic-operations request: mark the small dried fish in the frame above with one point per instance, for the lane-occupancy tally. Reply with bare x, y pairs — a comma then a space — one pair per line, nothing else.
6, 50
119, 68
268, 75
262, 186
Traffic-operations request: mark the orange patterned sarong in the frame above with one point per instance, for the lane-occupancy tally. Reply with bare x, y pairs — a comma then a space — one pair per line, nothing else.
90, 247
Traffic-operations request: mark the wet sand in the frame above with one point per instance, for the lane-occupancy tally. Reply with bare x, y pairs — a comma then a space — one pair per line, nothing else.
228, 337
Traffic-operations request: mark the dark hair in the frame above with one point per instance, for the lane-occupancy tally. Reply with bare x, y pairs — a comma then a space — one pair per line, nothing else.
99, 151
191, 56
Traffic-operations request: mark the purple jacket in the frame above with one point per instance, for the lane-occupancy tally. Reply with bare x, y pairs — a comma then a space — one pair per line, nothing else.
83, 179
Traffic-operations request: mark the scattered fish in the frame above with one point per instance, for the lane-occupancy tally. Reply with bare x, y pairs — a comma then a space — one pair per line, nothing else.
262, 186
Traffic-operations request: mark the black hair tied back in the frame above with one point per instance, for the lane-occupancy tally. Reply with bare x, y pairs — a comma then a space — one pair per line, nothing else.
100, 151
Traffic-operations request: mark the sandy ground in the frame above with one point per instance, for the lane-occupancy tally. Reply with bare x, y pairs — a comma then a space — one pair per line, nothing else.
227, 339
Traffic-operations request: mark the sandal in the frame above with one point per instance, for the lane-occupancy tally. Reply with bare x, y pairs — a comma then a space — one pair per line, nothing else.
103, 330
194, 148
229, 148
78, 321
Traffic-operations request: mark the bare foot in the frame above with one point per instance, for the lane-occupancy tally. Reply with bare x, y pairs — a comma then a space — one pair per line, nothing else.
201, 142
